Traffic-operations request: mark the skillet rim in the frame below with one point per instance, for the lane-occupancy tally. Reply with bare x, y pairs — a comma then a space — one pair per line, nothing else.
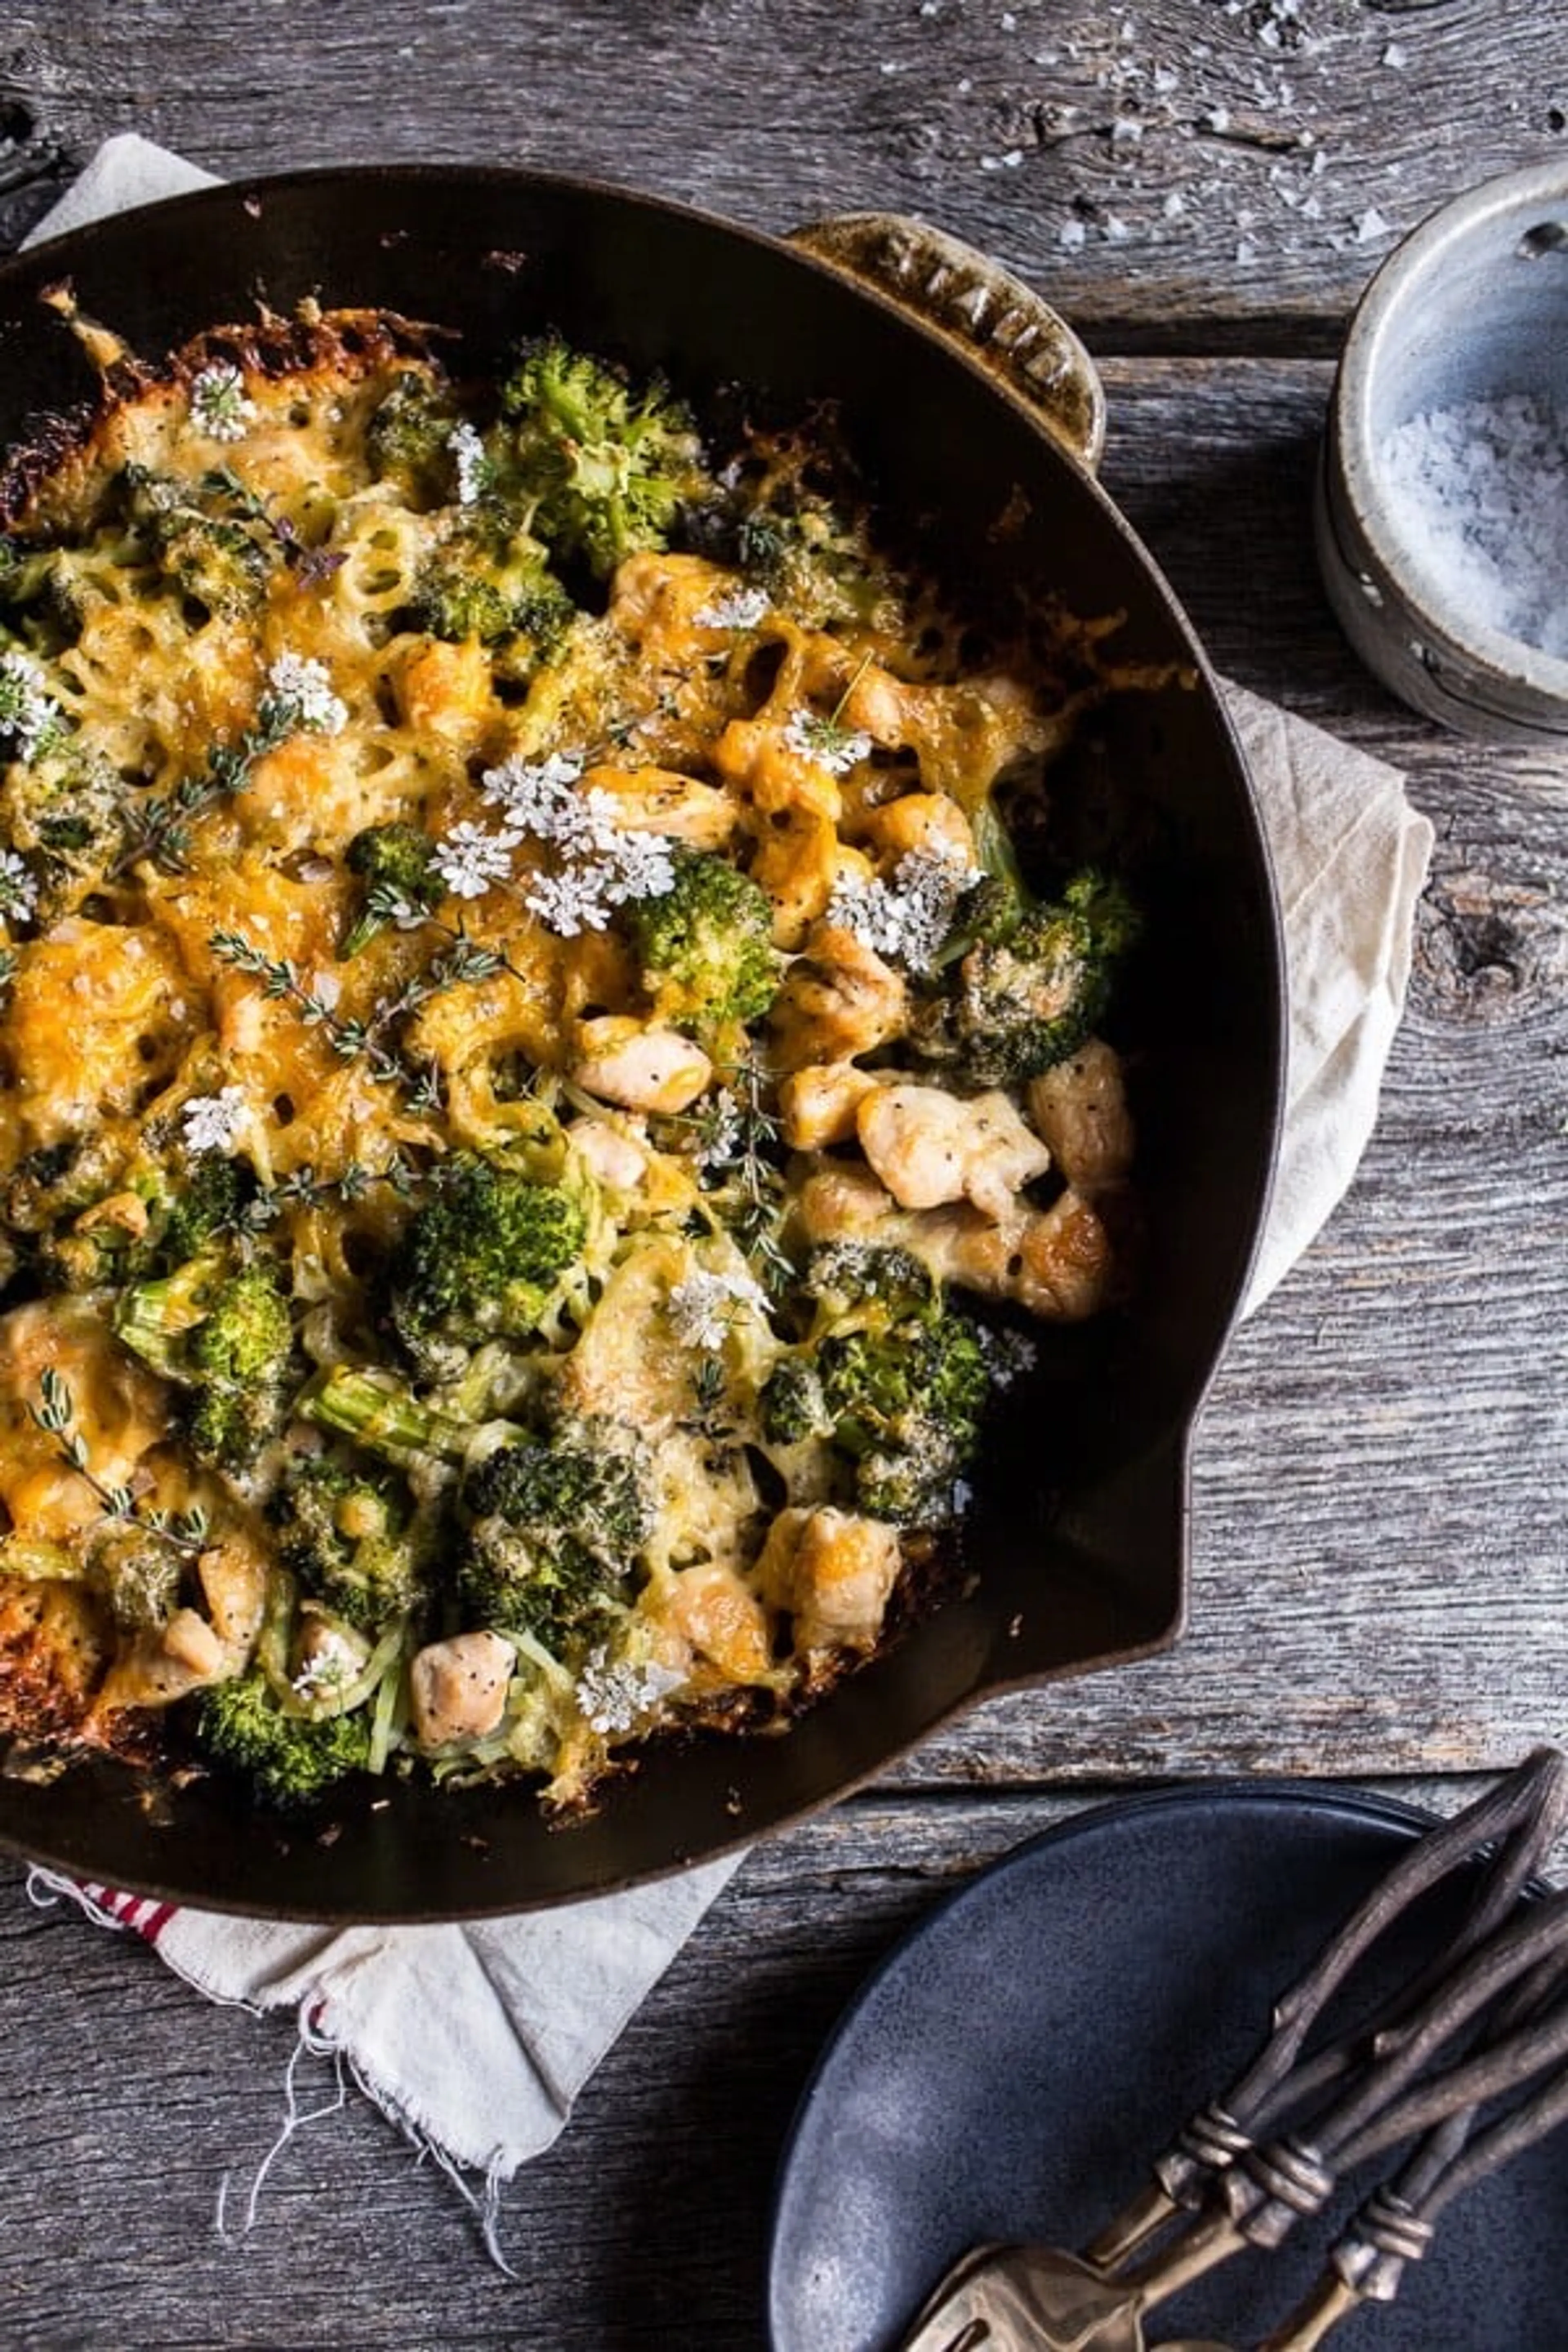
47, 262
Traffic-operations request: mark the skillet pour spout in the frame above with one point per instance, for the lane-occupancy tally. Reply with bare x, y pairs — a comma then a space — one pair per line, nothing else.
1076, 1554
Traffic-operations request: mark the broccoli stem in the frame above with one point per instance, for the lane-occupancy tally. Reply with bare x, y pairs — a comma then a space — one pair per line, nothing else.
380, 1413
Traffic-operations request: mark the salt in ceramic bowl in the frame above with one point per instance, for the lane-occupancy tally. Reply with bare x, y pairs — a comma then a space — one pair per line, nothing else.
1444, 464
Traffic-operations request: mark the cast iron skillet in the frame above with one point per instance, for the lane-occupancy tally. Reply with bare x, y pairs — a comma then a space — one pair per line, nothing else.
1079, 1538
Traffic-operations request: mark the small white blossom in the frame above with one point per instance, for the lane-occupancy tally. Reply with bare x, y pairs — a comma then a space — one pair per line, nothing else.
568, 903
218, 403
600, 865
19, 888
614, 1696
213, 1122
468, 456
1008, 1355
471, 861
703, 1306
330, 1667
824, 740
538, 796
738, 608
722, 1135
300, 694
636, 865
907, 916
29, 714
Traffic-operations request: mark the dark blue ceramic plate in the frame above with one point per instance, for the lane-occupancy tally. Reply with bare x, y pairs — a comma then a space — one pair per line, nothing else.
1022, 2054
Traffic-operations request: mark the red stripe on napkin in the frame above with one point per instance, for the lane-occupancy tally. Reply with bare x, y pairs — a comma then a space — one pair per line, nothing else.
138, 1912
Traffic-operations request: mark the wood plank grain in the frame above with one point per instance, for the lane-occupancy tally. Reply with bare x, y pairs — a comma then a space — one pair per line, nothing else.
1226, 180
645, 2227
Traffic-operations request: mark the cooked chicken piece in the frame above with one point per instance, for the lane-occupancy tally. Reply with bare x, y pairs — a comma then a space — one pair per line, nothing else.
920, 821
1057, 1262
834, 1572
657, 800
1079, 1109
189, 1641
117, 1407
799, 863
756, 757
928, 1146
818, 1104
457, 1688
839, 1000
640, 1068
711, 1607
616, 1159
664, 592
446, 689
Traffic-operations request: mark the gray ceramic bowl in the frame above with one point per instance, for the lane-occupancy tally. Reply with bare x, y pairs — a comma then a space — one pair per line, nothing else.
1472, 308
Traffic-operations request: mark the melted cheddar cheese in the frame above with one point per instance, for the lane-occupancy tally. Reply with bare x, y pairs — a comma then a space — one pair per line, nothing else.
235, 672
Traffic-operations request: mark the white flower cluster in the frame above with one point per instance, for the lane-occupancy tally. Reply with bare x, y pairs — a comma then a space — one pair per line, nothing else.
737, 608
18, 889
614, 1696
907, 917
330, 1667
703, 1306
826, 742
1009, 1355
472, 861
599, 867
29, 714
213, 1122
300, 694
219, 405
467, 449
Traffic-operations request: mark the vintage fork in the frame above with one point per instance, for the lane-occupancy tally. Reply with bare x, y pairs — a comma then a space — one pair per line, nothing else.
1048, 2297
1054, 2302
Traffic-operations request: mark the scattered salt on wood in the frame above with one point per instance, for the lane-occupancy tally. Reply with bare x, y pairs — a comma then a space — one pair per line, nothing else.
1479, 496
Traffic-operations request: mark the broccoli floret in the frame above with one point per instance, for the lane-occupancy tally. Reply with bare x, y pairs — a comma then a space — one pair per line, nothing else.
554, 1529
895, 1380
794, 1405
41, 594
140, 1571
221, 563
289, 1760
206, 1198
1026, 997
605, 467
224, 1335
488, 585
890, 1282
218, 565
349, 1533
705, 946
481, 1260
409, 438
65, 810
394, 863
906, 1406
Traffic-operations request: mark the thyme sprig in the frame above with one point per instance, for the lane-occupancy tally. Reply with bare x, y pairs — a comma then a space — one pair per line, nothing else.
55, 1415
303, 1189
365, 1038
160, 827
737, 1142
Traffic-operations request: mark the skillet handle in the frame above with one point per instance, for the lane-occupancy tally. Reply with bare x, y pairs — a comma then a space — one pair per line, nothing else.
974, 302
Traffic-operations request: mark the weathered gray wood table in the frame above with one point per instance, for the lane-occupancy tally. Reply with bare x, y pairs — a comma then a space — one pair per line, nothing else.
1383, 1472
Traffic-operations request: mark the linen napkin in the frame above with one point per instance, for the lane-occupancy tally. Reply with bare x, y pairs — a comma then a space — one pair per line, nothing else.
476, 2039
